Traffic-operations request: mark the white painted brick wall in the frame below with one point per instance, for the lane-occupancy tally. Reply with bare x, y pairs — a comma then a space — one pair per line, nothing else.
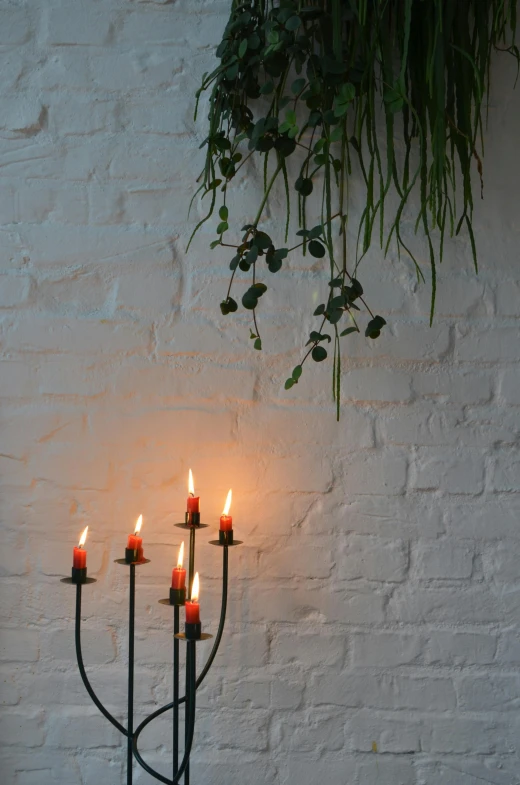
375, 602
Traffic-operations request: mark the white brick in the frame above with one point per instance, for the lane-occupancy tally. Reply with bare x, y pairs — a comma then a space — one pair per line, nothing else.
385, 649
460, 648
492, 692
380, 472
18, 726
19, 645
376, 384
506, 471
443, 560
82, 730
398, 736
446, 605
81, 27
384, 692
14, 25
498, 343
509, 387
308, 649
374, 559
13, 290
433, 469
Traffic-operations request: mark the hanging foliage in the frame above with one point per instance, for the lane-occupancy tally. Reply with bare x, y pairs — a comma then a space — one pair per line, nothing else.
393, 87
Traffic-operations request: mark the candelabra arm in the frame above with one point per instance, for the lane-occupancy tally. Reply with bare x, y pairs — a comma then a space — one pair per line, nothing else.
190, 721
213, 654
81, 667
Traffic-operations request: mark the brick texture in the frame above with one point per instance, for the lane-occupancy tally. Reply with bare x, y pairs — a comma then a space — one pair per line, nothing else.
372, 633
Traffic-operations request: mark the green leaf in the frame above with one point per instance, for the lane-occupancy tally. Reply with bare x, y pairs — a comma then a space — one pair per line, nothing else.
223, 213
258, 344
228, 306
261, 241
316, 249
297, 372
335, 315
319, 353
304, 186
259, 289
293, 23
249, 300
374, 326
222, 227
349, 330
242, 49
288, 384
298, 85
267, 88
319, 310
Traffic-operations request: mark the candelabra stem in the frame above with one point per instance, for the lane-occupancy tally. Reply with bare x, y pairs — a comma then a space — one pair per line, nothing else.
191, 692
190, 679
81, 666
131, 630
175, 691
191, 572
213, 654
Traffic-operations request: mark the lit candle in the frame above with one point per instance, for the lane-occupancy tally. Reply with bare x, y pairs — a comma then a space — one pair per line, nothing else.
192, 606
226, 521
178, 573
193, 501
79, 557
135, 542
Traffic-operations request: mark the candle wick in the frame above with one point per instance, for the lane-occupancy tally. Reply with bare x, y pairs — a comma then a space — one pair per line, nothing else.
192, 495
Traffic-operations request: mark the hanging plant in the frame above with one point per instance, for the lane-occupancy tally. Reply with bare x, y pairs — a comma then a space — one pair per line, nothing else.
326, 84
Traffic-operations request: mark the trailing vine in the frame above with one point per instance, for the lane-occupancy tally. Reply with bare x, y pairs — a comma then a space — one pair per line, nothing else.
321, 82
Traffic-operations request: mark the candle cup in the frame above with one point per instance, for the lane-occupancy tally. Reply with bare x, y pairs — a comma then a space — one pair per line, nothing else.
178, 596
132, 555
225, 537
79, 575
192, 518
193, 631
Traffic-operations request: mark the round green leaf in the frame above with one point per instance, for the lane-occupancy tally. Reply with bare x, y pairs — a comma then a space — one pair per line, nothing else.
297, 372
242, 49
293, 23
288, 384
319, 354
250, 300
223, 213
316, 249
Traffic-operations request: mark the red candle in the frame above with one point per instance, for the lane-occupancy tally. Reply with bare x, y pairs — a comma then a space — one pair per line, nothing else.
192, 606
79, 556
135, 542
178, 573
226, 521
193, 501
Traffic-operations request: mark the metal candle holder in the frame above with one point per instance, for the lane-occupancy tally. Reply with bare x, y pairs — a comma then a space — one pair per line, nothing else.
191, 637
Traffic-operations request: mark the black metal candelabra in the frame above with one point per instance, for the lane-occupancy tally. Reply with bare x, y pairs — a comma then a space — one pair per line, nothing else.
191, 637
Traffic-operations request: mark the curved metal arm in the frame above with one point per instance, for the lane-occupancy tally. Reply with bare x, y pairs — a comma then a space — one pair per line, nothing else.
81, 667
213, 654
190, 712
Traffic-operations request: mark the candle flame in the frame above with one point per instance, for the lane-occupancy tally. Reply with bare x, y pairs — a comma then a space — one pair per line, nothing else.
83, 537
191, 487
180, 558
138, 524
195, 589
227, 505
